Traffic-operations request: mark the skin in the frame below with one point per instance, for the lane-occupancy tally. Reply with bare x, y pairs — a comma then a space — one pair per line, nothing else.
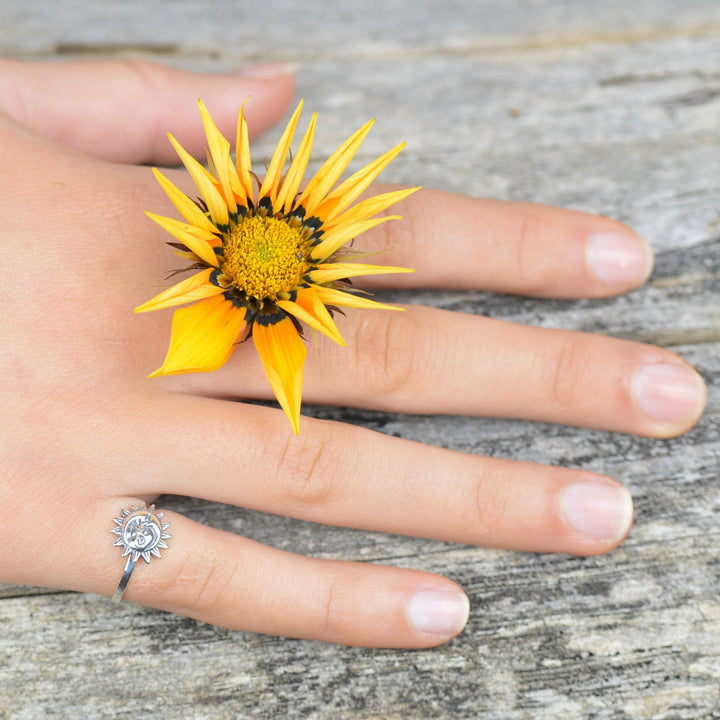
89, 431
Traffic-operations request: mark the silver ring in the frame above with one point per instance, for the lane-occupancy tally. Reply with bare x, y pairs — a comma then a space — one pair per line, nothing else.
141, 533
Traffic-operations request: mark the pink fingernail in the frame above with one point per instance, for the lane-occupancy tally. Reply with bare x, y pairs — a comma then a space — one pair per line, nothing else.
598, 509
439, 612
669, 393
618, 258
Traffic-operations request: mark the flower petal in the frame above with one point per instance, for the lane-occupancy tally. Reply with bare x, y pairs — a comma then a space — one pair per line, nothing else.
369, 207
203, 336
187, 208
330, 296
196, 287
296, 171
220, 154
308, 308
282, 352
330, 272
243, 161
205, 184
200, 242
331, 170
348, 192
271, 183
340, 235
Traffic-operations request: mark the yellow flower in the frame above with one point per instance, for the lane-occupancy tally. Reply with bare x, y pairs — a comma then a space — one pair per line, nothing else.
268, 255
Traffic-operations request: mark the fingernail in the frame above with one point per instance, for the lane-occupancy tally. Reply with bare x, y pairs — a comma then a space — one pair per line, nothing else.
618, 258
599, 509
267, 70
668, 393
440, 612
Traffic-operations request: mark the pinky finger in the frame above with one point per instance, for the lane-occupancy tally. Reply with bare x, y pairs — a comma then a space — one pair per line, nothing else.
220, 578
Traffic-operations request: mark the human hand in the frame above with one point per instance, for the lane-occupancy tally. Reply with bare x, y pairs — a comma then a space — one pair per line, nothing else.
86, 432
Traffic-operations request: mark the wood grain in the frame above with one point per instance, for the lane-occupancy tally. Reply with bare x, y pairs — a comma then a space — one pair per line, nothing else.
611, 107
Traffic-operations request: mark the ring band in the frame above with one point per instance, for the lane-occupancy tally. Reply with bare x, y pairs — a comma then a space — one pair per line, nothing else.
141, 533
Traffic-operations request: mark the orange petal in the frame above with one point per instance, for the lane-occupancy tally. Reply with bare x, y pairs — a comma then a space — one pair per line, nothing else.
205, 183
308, 308
349, 191
296, 171
369, 207
199, 241
203, 336
220, 154
330, 296
187, 208
326, 177
330, 272
282, 352
271, 183
189, 290
340, 235
243, 161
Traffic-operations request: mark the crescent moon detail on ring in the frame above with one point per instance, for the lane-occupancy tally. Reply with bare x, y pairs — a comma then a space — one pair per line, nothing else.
141, 532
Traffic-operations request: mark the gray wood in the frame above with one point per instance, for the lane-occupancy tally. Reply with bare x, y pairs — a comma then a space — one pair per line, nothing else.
612, 107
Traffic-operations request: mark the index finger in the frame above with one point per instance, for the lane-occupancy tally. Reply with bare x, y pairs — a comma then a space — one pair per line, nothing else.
454, 241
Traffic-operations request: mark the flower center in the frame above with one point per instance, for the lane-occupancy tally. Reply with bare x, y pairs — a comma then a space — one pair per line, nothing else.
265, 257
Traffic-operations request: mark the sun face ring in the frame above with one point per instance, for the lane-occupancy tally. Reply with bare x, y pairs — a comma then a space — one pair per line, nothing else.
141, 533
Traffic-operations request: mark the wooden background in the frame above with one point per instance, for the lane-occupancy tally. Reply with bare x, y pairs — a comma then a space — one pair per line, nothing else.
612, 107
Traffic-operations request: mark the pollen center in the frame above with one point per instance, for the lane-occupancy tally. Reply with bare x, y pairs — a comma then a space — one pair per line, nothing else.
265, 257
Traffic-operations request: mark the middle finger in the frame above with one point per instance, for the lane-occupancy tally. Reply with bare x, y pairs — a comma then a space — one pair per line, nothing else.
427, 360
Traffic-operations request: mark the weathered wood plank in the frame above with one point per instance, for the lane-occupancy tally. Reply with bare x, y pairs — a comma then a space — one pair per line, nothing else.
612, 107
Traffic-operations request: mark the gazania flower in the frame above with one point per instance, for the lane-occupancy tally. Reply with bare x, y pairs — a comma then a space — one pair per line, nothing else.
267, 256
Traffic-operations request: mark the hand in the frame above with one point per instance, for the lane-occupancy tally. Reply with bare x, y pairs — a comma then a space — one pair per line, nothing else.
85, 433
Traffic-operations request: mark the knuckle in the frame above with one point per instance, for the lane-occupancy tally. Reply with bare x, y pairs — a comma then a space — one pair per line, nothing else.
336, 620
201, 580
490, 500
147, 73
399, 235
308, 468
531, 256
384, 360
572, 363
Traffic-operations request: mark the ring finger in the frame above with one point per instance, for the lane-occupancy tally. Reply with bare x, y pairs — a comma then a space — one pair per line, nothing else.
339, 474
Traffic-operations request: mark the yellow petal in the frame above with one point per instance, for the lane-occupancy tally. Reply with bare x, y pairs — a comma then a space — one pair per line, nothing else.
282, 352
205, 184
203, 336
349, 191
296, 171
242, 160
340, 235
194, 288
271, 183
220, 155
369, 207
308, 308
326, 177
330, 272
330, 296
200, 242
187, 208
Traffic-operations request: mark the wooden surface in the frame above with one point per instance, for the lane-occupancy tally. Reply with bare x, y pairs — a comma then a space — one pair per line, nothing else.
612, 107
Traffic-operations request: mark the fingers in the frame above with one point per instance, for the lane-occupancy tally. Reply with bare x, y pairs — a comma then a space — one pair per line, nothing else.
433, 361
460, 242
333, 473
220, 578
227, 580
121, 111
